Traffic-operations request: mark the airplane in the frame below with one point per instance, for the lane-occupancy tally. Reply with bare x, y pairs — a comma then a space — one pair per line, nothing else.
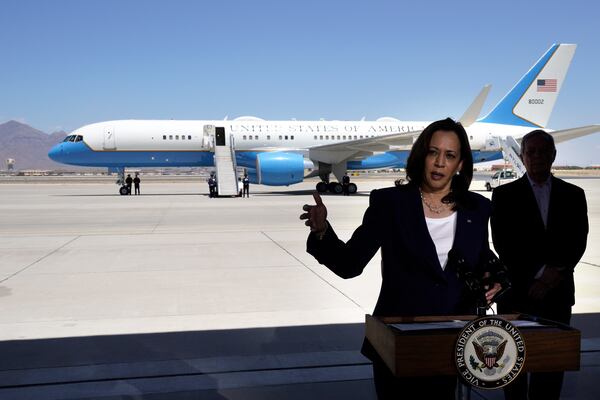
279, 152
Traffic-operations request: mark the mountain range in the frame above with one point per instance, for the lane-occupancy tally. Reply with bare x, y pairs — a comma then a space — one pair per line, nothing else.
29, 147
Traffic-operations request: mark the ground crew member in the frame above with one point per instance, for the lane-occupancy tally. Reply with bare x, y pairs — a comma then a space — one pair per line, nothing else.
136, 183
212, 186
246, 183
129, 181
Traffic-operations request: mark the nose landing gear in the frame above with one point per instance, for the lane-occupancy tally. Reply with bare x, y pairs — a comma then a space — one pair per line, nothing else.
123, 191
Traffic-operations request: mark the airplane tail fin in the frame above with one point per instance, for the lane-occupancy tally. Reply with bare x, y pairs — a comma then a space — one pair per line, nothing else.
531, 100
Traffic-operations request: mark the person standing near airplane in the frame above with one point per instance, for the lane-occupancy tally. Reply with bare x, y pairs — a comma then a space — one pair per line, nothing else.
246, 185
415, 226
539, 229
129, 181
212, 186
136, 183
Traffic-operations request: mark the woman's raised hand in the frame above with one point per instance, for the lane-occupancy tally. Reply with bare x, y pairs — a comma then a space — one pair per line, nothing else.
316, 215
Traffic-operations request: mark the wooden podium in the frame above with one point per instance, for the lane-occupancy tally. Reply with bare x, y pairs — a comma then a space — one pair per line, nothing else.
428, 352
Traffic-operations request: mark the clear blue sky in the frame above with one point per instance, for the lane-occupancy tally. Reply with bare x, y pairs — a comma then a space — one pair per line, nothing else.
68, 63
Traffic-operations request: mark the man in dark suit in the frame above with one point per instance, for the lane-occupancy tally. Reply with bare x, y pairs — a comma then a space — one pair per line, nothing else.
136, 183
129, 182
212, 186
246, 186
539, 228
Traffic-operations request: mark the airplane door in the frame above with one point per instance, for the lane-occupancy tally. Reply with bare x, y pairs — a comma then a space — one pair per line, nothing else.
219, 136
109, 139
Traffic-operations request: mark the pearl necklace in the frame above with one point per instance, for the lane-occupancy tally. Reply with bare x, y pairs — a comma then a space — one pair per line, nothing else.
431, 207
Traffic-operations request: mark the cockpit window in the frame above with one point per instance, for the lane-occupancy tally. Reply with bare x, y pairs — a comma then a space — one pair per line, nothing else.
73, 138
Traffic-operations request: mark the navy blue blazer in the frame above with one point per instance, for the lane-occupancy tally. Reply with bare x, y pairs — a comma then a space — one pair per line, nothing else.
413, 282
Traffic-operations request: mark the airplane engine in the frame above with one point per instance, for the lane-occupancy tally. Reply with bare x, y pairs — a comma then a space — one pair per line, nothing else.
277, 169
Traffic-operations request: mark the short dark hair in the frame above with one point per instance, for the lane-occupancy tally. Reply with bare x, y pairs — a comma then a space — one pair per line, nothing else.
415, 165
538, 132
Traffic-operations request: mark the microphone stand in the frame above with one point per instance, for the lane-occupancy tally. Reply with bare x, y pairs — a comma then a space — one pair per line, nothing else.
478, 286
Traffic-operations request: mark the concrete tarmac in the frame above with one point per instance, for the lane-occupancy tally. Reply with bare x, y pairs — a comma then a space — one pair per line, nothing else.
172, 294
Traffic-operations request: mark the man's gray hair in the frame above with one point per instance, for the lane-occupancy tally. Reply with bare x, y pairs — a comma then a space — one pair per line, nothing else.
538, 132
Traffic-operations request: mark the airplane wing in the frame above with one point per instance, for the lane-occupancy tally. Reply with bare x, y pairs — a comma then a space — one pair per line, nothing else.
474, 109
361, 148
568, 134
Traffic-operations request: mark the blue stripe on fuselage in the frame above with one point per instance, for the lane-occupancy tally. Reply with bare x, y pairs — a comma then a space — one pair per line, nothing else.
78, 153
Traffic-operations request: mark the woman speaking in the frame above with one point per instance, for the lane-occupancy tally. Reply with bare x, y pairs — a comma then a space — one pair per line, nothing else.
415, 225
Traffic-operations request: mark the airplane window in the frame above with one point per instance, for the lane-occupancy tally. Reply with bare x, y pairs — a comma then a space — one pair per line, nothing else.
280, 137
268, 137
79, 138
286, 137
338, 137
189, 137
72, 138
182, 137
255, 137
250, 137
315, 137
344, 137
327, 137
361, 136
244, 137
176, 137
321, 137
170, 137
354, 136
164, 137
292, 137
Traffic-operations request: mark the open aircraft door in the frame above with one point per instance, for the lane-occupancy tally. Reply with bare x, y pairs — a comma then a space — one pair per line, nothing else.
109, 139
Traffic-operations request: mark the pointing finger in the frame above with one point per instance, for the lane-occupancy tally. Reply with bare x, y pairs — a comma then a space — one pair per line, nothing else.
317, 198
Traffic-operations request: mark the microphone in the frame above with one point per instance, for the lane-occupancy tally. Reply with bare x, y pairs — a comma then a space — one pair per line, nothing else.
464, 272
474, 278
498, 273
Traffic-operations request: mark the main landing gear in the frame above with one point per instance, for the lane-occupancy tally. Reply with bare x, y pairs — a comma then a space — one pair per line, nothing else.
335, 187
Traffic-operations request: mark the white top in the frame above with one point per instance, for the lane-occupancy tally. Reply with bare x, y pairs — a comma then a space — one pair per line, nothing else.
442, 232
